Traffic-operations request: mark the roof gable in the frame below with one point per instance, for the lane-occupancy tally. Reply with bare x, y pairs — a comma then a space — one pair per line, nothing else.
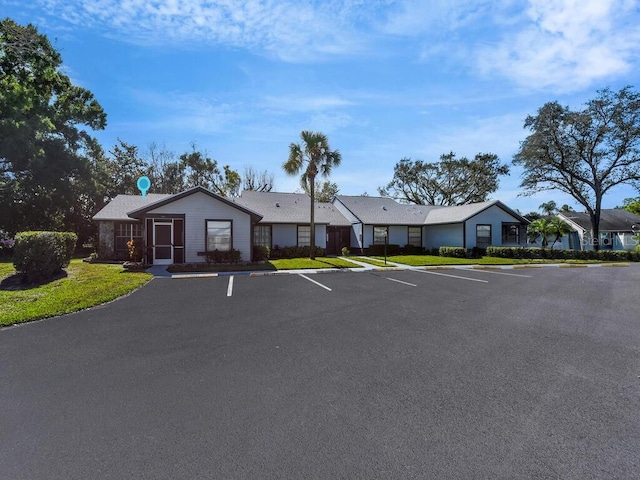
139, 212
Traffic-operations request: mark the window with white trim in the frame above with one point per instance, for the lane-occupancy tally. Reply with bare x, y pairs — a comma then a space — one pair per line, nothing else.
262, 235
218, 235
125, 232
304, 236
483, 236
415, 236
380, 235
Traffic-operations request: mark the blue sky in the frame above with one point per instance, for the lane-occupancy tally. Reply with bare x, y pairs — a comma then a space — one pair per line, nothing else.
383, 79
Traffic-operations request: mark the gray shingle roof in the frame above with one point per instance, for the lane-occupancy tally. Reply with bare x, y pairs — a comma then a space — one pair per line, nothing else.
118, 208
611, 220
385, 211
276, 207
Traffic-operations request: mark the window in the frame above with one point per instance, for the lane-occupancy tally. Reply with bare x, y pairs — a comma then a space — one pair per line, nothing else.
304, 236
483, 236
415, 236
606, 240
218, 235
380, 235
511, 233
262, 235
125, 232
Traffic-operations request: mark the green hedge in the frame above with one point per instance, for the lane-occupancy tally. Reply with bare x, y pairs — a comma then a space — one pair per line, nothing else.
293, 252
559, 254
455, 252
378, 250
232, 256
261, 253
40, 255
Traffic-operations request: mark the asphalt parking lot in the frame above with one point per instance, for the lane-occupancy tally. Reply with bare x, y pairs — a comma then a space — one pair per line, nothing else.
483, 374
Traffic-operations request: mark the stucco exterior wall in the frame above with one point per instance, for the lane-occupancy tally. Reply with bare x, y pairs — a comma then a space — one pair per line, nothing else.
436, 236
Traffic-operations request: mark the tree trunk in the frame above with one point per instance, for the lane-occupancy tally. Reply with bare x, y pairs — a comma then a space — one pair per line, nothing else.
595, 226
312, 225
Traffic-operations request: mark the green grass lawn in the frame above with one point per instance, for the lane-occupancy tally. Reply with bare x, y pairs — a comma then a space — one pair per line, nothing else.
425, 260
85, 285
305, 263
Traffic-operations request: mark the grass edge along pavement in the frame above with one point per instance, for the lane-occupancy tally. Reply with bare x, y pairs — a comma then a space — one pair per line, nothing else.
428, 260
85, 285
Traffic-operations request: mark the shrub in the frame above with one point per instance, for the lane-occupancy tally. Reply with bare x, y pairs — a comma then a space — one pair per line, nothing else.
260, 253
378, 250
455, 252
231, 256
412, 250
345, 251
40, 255
278, 252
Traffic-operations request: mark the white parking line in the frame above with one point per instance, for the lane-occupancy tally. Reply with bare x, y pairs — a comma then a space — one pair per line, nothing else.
453, 276
230, 287
313, 281
495, 273
400, 281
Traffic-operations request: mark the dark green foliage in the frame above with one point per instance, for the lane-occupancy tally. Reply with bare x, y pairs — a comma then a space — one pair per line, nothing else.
561, 254
46, 151
294, 252
378, 250
412, 250
40, 255
583, 153
232, 256
261, 253
451, 181
455, 252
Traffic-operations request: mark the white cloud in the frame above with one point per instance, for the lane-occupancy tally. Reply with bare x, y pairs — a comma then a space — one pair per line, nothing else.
565, 45
304, 103
288, 29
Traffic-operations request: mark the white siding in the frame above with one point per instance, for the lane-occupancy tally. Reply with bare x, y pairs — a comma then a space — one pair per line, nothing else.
436, 236
200, 207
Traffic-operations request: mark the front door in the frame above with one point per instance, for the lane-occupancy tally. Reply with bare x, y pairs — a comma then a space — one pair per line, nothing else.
162, 242
337, 237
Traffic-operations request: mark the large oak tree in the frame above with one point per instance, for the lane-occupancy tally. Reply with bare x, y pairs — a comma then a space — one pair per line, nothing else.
45, 147
451, 181
584, 153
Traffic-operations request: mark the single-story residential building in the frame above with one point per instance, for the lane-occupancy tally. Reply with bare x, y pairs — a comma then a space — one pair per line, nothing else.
181, 228
178, 228
617, 229
375, 220
285, 221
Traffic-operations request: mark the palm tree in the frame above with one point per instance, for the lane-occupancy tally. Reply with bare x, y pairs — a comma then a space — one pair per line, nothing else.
549, 208
545, 228
317, 156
